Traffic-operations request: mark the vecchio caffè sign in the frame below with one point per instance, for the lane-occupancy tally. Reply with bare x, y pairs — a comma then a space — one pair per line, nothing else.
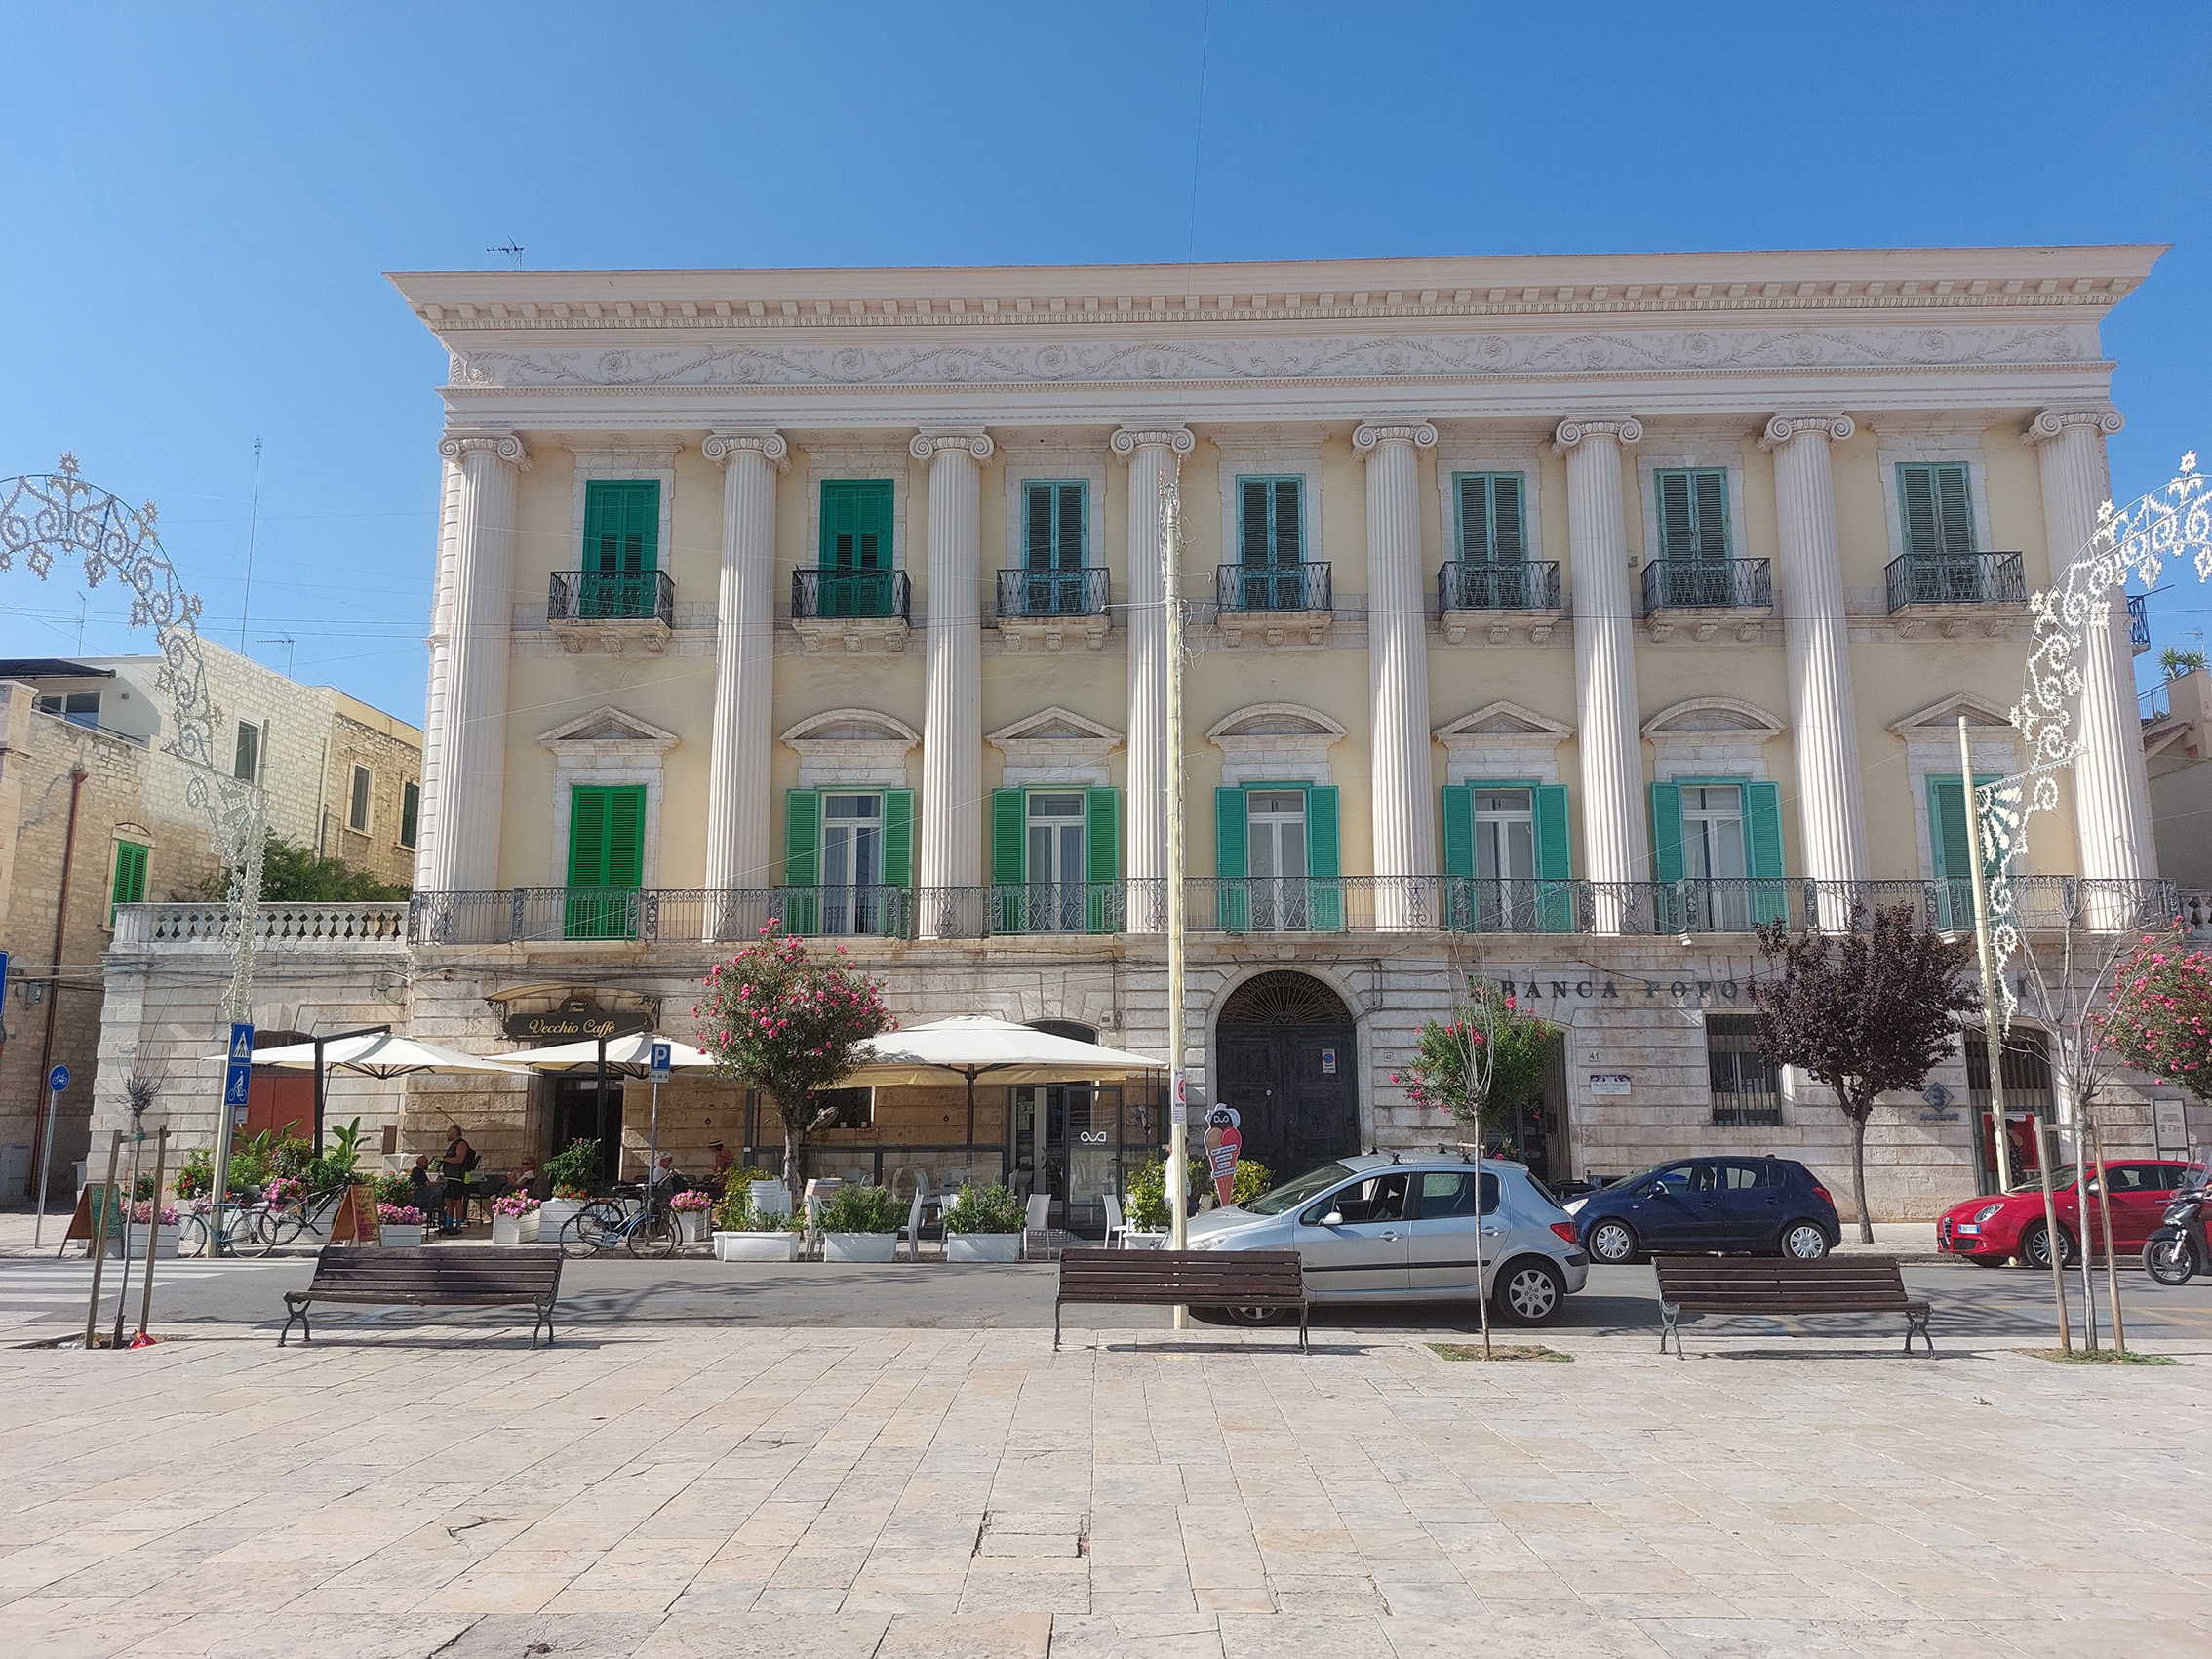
576, 1020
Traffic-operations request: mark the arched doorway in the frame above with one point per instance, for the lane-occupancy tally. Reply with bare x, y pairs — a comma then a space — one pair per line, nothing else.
1287, 1058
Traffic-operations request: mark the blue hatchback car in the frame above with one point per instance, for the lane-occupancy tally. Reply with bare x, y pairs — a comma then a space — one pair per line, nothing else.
1755, 1205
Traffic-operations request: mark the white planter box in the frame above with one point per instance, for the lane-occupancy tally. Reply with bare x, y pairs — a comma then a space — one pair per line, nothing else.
394, 1237
1144, 1241
982, 1247
755, 1247
696, 1224
859, 1246
165, 1242
516, 1229
553, 1215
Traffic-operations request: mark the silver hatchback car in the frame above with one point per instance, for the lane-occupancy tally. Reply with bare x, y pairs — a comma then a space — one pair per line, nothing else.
1398, 1226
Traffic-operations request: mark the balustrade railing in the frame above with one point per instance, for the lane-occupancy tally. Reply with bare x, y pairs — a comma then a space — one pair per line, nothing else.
604, 596
1044, 594
1529, 585
841, 595
1955, 578
1708, 584
1273, 587
277, 924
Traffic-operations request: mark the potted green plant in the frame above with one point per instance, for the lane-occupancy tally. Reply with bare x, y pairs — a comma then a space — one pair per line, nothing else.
861, 1224
744, 1232
984, 1224
571, 1173
515, 1219
1144, 1206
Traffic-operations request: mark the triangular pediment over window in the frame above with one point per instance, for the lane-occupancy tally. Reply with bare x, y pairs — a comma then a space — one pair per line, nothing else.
1056, 745
609, 725
1054, 725
1503, 719
1943, 717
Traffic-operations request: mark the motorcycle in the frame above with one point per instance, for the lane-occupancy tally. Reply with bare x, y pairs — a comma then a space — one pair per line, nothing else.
2176, 1250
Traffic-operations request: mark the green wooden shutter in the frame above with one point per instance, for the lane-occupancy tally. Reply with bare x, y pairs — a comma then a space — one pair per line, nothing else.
1069, 537
1762, 847
1505, 498
1290, 521
1459, 906
857, 524
1323, 864
1252, 530
622, 526
625, 835
130, 886
1555, 860
1678, 536
898, 838
1947, 826
1709, 501
1955, 509
1666, 832
1009, 858
803, 860
1916, 511
1475, 518
1102, 859
587, 836
1230, 860
1037, 527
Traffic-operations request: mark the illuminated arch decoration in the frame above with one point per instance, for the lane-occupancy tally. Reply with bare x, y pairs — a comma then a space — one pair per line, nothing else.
2135, 542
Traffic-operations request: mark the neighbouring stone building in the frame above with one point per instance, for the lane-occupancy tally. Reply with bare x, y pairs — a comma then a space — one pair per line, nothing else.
1553, 619
340, 778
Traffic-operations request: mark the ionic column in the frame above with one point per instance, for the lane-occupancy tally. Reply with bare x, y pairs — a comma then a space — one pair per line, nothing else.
1823, 730
1398, 671
1616, 847
2111, 798
1154, 454
745, 651
473, 755
436, 707
952, 718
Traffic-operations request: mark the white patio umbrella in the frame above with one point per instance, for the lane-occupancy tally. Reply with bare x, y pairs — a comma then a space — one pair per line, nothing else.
371, 1053
973, 1045
630, 1055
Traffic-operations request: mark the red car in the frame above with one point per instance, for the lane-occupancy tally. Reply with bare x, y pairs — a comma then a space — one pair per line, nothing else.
2001, 1227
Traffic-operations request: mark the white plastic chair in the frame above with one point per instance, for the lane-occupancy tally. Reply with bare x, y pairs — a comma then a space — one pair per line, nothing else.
1038, 1226
912, 1228
1115, 1225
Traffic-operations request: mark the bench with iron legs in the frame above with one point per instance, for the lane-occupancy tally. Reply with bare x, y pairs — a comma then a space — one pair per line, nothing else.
1764, 1284
1269, 1281
432, 1275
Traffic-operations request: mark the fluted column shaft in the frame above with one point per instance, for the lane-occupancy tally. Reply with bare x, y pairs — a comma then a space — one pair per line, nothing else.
2112, 796
952, 708
1398, 669
1616, 845
436, 701
474, 753
1153, 454
1823, 720
744, 655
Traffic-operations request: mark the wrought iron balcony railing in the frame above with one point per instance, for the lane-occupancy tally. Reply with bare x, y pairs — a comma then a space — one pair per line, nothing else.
1958, 578
1259, 904
2138, 621
1024, 594
601, 595
835, 595
1271, 587
1708, 584
1530, 585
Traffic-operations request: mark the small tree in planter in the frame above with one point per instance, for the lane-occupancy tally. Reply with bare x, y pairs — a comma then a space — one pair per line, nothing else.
574, 1170
1865, 1014
777, 1020
984, 1224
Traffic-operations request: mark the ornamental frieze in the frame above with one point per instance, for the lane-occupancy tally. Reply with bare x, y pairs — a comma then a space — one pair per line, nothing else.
1263, 360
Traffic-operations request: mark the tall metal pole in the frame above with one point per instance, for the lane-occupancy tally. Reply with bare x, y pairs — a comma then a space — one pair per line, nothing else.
1992, 1022
245, 923
153, 1226
1178, 1113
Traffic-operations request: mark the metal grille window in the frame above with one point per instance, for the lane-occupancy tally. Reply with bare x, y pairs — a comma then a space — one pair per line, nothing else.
1747, 1091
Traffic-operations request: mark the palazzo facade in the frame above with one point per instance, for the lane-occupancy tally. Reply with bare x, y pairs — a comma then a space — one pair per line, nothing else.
1551, 620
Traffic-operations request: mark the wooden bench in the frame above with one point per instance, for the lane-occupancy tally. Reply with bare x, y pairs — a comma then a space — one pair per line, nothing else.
1273, 1279
1754, 1285
433, 1276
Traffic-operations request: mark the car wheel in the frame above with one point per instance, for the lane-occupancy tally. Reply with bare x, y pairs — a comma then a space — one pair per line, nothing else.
1259, 1315
1804, 1240
1530, 1292
1213, 1315
1612, 1243
2035, 1246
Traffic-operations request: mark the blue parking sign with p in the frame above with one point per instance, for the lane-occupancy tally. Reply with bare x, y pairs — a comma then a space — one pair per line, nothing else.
658, 1058
239, 1074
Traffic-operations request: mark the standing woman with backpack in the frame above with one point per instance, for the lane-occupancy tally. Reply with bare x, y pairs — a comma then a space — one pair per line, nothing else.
458, 1161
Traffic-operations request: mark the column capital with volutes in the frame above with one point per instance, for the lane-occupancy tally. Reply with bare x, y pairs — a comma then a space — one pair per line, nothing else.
1369, 436
2050, 424
925, 445
1128, 439
766, 442
1626, 430
500, 445
1837, 428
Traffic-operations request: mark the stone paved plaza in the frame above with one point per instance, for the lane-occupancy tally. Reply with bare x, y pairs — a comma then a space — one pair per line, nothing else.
407, 1489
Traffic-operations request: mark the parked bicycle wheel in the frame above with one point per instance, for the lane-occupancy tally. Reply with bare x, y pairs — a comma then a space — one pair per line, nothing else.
657, 1235
192, 1235
250, 1234
282, 1226
592, 1229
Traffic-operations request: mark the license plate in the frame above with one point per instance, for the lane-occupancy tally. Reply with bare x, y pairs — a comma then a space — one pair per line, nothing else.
1967, 1227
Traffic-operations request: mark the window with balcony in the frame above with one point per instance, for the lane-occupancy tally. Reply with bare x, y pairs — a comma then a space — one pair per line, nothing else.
846, 854
77, 708
1939, 565
1717, 852
1276, 853
856, 577
1056, 860
1055, 578
1272, 571
621, 550
1747, 1091
607, 825
1507, 858
1494, 571
1694, 569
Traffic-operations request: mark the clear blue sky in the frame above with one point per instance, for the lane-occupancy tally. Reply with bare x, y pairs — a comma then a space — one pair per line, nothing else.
202, 200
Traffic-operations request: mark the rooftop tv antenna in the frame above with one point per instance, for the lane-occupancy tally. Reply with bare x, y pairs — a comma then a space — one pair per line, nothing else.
512, 249
287, 642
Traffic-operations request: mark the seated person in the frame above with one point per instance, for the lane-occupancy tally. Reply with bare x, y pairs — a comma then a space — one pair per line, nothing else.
666, 1183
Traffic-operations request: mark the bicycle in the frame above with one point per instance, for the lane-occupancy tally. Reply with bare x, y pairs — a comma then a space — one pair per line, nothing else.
311, 1214
646, 1230
235, 1229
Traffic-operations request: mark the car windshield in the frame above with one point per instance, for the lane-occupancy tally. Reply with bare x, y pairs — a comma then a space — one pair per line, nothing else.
1292, 1194
2062, 1178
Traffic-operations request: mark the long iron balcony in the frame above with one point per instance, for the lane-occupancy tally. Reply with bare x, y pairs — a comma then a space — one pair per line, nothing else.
1524, 585
1041, 594
1956, 579
604, 596
1271, 587
1708, 584
1213, 906
842, 595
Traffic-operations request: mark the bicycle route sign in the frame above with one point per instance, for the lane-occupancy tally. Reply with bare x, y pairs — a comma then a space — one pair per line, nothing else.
240, 1072
58, 1079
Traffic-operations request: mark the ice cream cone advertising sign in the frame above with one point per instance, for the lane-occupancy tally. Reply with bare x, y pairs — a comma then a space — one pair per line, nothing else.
1224, 1140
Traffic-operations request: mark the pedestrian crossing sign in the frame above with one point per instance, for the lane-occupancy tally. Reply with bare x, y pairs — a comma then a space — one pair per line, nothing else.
238, 1075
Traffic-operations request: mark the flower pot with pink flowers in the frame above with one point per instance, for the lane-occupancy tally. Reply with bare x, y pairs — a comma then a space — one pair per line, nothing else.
692, 1211
399, 1226
142, 1215
515, 1219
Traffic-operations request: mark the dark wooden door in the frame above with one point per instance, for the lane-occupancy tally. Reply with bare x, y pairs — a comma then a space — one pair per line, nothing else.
1296, 1090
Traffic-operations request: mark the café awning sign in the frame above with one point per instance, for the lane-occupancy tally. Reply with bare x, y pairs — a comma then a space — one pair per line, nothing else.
576, 1019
